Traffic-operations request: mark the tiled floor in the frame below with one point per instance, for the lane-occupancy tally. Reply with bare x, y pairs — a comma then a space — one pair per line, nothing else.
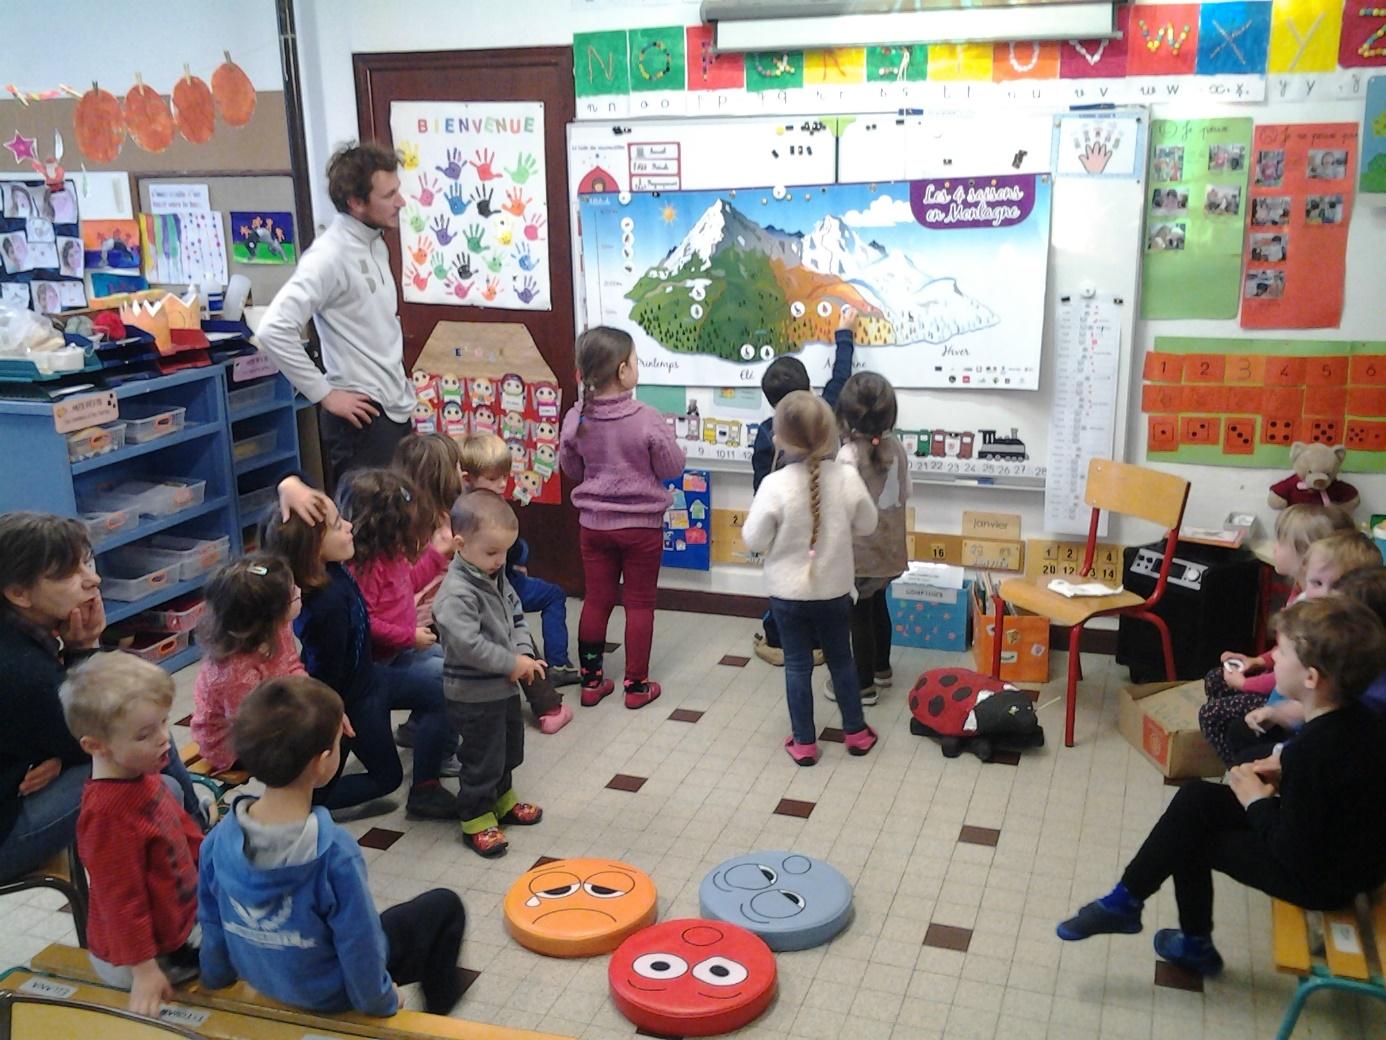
961, 869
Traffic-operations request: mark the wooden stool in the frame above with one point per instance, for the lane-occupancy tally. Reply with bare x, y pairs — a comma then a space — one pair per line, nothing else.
1353, 956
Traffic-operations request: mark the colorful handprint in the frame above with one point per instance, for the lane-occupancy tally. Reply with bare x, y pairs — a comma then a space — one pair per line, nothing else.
482, 198
457, 201
416, 220
492, 287
440, 266
475, 234
409, 155
505, 234
525, 168
458, 288
482, 162
515, 202
419, 254
453, 169
528, 290
533, 225
419, 278
494, 263
527, 260
426, 189
442, 227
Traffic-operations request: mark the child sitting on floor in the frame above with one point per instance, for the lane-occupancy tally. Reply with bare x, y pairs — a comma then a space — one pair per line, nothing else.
138, 845
1307, 829
283, 899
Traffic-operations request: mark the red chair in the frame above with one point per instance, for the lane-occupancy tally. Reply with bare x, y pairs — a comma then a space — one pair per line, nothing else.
1121, 488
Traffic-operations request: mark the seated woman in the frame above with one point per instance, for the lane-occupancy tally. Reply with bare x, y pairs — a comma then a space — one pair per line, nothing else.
51, 618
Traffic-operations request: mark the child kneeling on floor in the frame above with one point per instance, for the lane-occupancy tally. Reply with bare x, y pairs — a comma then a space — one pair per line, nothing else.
283, 900
134, 838
1306, 828
488, 653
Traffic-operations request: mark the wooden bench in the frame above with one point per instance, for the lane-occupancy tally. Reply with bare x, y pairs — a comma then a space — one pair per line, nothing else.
69, 963
191, 755
1354, 953
62, 873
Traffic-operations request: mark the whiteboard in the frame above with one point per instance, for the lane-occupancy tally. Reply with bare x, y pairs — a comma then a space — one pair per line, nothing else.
1094, 245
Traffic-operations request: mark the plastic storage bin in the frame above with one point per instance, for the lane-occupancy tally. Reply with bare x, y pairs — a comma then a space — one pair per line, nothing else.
250, 396
255, 504
177, 615
129, 574
146, 422
145, 497
95, 440
192, 556
150, 646
252, 446
103, 525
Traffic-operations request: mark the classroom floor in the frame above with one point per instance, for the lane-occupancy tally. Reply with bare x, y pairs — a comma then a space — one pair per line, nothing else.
961, 869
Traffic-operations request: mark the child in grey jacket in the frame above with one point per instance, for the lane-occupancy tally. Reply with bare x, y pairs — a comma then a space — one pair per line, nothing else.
488, 653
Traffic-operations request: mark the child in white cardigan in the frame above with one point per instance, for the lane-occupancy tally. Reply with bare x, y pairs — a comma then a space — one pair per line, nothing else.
809, 569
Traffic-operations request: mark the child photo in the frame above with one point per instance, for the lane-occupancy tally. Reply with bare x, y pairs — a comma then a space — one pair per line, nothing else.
22, 201
1327, 164
70, 257
1222, 201
1273, 210
47, 297
40, 230
1170, 201
72, 295
64, 205
1323, 209
1268, 285
1269, 249
1169, 164
14, 252
15, 294
1270, 168
1166, 236
1227, 158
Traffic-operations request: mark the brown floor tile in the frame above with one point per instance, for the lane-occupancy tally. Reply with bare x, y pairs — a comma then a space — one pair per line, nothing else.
948, 937
1172, 782
734, 661
1006, 758
1172, 976
186, 720
685, 715
543, 860
657, 1036
611, 648
466, 976
379, 838
831, 735
792, 807
979, 835
623, 782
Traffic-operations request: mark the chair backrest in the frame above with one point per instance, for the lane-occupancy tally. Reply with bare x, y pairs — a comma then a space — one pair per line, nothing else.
1120, 487
39, 1018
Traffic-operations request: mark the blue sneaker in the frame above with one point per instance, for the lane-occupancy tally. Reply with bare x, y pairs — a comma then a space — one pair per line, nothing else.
1195, 955
1096, 919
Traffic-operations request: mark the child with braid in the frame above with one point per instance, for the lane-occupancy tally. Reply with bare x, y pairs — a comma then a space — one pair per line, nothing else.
809, 570
619, 452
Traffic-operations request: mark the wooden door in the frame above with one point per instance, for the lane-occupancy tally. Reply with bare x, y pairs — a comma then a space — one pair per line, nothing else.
529, 74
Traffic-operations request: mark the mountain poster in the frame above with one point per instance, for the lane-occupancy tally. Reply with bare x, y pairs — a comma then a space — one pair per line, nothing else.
947, 275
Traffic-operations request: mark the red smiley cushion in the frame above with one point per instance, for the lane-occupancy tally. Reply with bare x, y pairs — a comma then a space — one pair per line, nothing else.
692, 977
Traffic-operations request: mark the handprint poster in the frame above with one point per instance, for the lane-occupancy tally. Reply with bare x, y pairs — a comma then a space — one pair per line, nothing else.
1196, 205
474, 232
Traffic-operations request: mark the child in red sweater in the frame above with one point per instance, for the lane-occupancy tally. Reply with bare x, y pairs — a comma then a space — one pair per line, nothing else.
248, 635
138, 845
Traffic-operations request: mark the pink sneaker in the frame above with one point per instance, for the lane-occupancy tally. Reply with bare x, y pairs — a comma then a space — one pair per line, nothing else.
860, 742
803, 754
592, 693
638, 697
553, 721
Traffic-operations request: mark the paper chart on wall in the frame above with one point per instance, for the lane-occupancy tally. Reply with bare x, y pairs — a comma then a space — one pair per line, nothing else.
1087, 342
189, 248
1373, 178
475, 232
1195, 213
1296, 248
947, 277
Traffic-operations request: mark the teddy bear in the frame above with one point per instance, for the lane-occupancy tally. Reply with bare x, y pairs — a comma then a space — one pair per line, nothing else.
1315, 479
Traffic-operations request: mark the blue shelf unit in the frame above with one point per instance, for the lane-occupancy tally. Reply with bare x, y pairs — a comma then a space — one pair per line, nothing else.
264, 445
36, 474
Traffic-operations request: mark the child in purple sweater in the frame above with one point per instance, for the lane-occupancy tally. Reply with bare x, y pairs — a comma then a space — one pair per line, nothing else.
620, 452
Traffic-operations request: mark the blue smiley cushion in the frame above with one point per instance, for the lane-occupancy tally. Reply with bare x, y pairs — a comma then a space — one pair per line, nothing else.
790, 900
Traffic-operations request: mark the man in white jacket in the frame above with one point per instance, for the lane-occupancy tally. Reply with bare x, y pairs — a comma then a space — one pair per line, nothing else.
344, 283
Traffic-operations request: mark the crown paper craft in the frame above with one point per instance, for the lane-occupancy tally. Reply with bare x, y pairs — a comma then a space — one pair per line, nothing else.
175, 322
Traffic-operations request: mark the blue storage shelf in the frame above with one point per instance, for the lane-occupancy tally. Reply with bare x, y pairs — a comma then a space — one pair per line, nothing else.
192, 652
160, 523
269, 458
259, 409
117, 610
134, 451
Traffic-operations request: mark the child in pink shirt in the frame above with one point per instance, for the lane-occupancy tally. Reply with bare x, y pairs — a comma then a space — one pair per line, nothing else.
248, 636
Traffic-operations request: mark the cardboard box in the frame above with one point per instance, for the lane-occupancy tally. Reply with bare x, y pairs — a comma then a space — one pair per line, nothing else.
1024, 646
1161, 720
927, 612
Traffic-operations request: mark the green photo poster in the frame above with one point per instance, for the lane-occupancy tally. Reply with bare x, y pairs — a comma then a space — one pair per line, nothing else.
779, 70
892, 64
1195, 214
600, 64
657, 59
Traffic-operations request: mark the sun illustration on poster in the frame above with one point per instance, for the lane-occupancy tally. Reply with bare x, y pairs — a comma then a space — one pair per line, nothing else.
669, 214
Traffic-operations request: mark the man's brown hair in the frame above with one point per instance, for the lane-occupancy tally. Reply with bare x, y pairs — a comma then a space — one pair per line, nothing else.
1340, 637
350, 170
283, 725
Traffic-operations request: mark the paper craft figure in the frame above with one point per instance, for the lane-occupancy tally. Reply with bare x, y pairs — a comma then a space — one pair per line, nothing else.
512, 393
425, 418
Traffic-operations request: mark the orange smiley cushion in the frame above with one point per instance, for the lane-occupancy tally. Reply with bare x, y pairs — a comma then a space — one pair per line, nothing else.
579, 907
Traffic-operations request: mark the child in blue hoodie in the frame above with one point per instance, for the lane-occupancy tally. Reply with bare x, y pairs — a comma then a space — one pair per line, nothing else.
283, 899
